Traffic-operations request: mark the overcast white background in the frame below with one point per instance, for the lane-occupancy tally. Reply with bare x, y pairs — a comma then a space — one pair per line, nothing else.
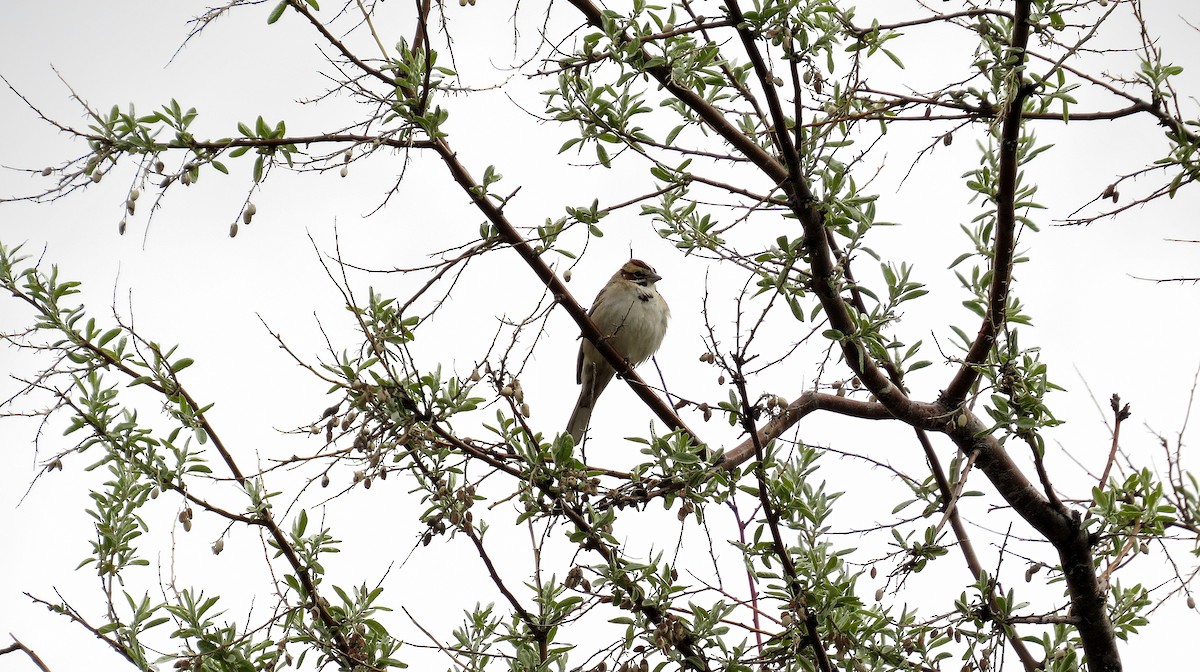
185, 281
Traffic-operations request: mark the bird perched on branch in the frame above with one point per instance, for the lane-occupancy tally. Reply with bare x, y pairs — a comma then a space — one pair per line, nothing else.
632, 316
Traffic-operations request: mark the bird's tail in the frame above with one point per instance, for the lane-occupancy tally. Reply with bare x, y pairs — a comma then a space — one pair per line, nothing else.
581, 416
594, 382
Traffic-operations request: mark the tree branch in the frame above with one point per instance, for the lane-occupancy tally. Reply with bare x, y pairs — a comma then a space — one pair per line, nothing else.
18, 646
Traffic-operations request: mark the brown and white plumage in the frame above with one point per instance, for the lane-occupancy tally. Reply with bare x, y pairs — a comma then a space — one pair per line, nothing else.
631, 313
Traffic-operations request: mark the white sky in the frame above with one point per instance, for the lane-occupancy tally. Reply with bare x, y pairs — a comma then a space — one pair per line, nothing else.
188, 283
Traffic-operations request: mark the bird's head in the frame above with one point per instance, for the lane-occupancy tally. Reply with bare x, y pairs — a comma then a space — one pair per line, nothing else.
639, 273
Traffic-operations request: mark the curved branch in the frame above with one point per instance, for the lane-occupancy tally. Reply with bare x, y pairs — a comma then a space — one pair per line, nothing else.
1004, 241
18, 646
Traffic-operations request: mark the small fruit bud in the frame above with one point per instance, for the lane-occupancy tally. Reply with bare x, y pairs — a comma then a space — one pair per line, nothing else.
218, 546
130, 206
325, 481
97, 175
879, 595
121, 228
345, 171
947, 139
135, 194
874, 571
567, 275
506, 391
159, 166
233, 229
475, 377
1191, 602
187, 525
525, 410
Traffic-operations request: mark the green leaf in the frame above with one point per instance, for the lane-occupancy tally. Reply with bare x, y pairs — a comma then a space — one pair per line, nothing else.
277, 12
182, 364
108, 336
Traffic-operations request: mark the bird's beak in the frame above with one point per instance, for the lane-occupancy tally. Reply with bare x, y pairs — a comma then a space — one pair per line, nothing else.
655, 277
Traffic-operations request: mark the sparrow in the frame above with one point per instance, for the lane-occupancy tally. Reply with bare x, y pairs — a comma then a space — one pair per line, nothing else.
632, 316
